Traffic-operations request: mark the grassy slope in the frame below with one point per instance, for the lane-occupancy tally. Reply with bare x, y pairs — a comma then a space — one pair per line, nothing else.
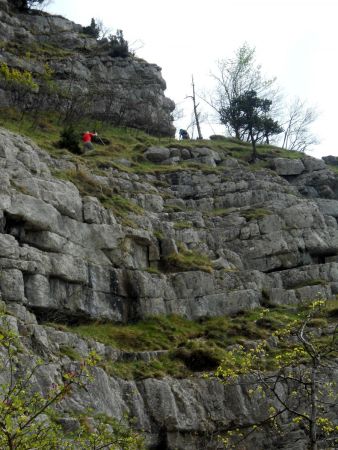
126, 143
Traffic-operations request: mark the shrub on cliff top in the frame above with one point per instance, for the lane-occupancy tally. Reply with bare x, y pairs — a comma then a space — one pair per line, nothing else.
25, 5
118, 45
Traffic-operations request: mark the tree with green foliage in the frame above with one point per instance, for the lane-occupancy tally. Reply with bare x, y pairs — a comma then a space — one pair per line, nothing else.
47, 95
249, 114
239, 74
28, 417
292, 376
234, 77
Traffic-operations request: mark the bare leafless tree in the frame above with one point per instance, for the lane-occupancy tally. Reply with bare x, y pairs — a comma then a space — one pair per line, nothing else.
196, 113
297, 123
104, 31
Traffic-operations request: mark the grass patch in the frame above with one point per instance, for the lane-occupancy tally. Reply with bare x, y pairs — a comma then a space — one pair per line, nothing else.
153, 270
35, 51
158, 234
165, 365
221, 212
158, 333
125, 143
193, 346
89, 185
333, 168
72, 354
182, 225
255, 214
121, 205
188, 260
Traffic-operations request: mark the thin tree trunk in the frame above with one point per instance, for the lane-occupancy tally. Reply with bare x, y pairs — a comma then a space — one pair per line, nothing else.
254, 150
195, 110
313, 416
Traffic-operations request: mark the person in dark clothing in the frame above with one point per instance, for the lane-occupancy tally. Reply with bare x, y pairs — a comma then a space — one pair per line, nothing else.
184, 134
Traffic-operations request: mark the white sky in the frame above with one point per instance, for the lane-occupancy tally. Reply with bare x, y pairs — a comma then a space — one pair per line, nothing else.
295, 41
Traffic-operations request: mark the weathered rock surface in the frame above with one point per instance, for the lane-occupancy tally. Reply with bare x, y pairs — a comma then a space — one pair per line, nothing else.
64, 255
333, 160
270, 236
172, 414
81, 64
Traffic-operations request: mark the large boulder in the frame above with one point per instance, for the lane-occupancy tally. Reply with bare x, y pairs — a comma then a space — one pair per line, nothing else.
288, 167
157, 154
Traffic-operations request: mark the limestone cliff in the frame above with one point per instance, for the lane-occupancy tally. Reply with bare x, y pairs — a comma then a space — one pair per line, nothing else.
127, 91
150, 228
269, 237
69, 254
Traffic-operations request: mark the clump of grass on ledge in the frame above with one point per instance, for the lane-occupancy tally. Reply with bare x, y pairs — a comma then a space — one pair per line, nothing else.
192, 346
221, 212
88, 185
253, 214
188, 260
157, 333
66, 350
182, 225
333, 168
165, 365
120, 205
153, 270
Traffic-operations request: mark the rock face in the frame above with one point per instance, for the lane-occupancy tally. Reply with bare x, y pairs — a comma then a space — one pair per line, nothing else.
65, 256
172, 413
127, 91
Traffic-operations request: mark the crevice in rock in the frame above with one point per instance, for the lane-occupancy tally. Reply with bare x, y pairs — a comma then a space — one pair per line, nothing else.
290, 178
14, 226
280, 269
131, 311
55, 315
162, 443
323, 257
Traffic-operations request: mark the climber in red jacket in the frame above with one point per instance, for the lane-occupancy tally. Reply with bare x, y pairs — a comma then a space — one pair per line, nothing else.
87, 141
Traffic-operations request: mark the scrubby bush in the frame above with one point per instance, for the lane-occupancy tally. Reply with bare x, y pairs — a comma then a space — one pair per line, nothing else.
20, 86
118, 45
92, 30
217, 137
70, 140
25, 5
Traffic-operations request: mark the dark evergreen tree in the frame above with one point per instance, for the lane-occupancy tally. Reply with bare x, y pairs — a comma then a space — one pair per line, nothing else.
118, 45
70, 140
250, 115
92, 30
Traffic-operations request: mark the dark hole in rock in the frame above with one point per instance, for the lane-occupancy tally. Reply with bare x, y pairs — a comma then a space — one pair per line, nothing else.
14, 226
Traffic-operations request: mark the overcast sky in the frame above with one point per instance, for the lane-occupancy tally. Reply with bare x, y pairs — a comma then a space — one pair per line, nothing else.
295, 41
